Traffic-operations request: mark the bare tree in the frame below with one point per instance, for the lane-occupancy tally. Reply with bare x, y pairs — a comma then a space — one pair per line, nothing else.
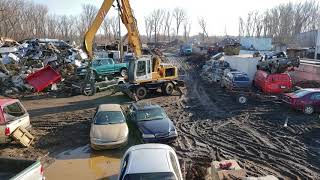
179, 14
203, 24
241, 27
186, 28
114, 22
284, 21
157, 17
106, 26
149, 24
87, 16
167, 24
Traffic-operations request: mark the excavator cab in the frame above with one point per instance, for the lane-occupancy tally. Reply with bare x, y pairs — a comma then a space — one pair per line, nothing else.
148, 69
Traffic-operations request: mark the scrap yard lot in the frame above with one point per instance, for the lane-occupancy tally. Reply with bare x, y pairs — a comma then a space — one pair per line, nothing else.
151, 90
210, 125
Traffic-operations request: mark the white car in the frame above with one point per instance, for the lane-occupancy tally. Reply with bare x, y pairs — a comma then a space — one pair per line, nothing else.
150, 162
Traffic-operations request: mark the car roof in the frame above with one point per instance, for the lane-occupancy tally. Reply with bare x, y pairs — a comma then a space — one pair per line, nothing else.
141, 158
146, 105
312, 89
109, 107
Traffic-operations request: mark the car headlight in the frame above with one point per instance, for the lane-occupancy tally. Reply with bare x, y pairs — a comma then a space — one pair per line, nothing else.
83, 70
174, 132
146, 136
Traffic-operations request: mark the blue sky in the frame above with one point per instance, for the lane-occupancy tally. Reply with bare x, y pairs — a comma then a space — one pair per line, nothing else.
220, 14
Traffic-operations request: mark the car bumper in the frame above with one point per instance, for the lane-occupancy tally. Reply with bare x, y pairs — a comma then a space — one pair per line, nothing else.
167, 139
109, 145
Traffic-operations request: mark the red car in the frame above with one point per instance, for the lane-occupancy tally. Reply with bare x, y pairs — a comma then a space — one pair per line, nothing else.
272, 83
307, 100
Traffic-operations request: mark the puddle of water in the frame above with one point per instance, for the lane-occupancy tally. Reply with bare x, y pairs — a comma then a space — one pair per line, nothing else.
83, 163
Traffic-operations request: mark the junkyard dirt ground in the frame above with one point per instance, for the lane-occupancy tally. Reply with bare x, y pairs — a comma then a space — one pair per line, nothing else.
211, 126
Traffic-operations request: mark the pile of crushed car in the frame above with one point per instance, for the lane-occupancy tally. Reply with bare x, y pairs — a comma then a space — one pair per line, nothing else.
271, 81
37, 65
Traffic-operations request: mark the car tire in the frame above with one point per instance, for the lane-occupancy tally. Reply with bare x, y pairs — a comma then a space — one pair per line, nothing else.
141, 92
222, 84
89, 90
123, 72
242, 99
168, 88
308, 109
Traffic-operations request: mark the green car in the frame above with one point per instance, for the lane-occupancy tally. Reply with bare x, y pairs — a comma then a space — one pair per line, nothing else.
105, 66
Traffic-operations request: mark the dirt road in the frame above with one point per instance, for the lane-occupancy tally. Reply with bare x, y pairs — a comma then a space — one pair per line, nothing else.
211, 126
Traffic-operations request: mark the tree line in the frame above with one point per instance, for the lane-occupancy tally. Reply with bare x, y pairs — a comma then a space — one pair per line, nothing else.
282, 22
23, 19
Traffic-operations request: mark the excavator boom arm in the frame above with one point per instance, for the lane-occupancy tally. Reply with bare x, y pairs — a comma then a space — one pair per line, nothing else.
90, 34
128, 20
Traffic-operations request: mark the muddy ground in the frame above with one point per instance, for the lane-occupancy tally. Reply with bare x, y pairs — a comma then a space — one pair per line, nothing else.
211, 126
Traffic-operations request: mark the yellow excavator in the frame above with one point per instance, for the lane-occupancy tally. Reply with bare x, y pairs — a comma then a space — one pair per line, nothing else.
146, 73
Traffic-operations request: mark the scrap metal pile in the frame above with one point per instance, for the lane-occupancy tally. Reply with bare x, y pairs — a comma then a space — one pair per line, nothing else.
33, 65
213, 70
278, 63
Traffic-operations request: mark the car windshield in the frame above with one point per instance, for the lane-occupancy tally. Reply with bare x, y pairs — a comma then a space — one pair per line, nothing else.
241, 78
301, 93
151, 114
151, 176
96, 63
109, 117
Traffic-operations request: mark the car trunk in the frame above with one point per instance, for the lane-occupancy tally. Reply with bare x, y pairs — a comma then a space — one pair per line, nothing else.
11, 167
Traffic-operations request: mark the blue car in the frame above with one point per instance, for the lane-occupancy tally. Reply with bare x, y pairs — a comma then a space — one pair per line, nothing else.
186, 50
236, 80
152, 122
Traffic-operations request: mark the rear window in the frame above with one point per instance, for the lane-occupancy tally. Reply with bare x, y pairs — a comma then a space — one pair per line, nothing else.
13, 111
301, 93
109, 117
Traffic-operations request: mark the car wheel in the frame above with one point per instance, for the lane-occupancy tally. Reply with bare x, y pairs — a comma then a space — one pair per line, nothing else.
308, 109
124, 72
242, 99
222, 84
141, 92
168, 89
89, 90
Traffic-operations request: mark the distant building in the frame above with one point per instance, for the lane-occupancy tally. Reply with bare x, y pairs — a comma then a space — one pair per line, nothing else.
255, 43
308, 40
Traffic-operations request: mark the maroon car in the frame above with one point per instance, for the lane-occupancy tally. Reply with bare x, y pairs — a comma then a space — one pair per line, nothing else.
307, 100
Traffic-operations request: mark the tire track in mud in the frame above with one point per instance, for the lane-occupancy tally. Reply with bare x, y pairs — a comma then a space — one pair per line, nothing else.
261, 146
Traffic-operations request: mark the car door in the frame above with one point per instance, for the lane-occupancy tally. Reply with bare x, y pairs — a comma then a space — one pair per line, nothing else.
111, 68
141, 70
107, 66
99, 66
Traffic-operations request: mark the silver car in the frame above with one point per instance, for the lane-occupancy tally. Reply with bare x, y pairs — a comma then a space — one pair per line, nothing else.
109, 129
150, 161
